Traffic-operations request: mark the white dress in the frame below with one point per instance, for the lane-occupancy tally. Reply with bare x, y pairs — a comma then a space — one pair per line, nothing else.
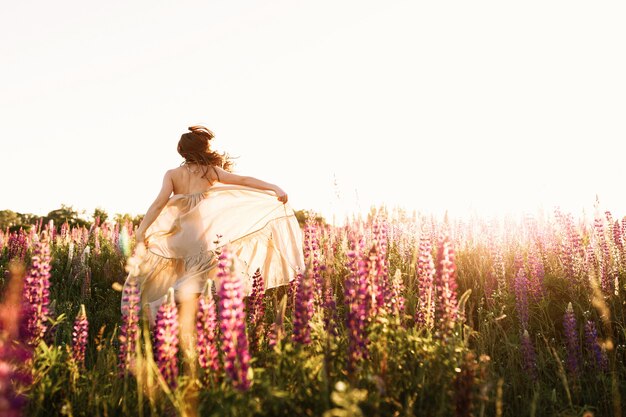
259, 231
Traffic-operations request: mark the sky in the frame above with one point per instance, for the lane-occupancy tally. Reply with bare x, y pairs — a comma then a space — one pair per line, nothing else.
483, 106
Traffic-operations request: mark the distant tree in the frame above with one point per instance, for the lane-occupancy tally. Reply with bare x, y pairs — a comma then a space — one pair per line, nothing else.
124, 218
302, 215
65, 214
15, 221
100, 213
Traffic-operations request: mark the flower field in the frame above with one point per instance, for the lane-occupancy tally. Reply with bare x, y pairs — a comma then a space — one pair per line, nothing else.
395, 315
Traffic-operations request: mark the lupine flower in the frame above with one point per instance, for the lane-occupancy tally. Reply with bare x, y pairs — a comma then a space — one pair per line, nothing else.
311, 251
537, 275
129, 330
600, 360
521, 297
37, 294
425, 270
528, 355
571, 339
303, 309
79, 336
445, 283
329, 305
206, 327
256, 304
605, 280
166, 339
18, 245
233, 324
379, 273
397, 297
357, 300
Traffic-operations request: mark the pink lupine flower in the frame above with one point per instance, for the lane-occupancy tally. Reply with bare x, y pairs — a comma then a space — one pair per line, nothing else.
129, 330
445, 283
256, 308
537, 275
79, 336
206, 327
37, 293
232, 317
357, 300
425, 271
166, 339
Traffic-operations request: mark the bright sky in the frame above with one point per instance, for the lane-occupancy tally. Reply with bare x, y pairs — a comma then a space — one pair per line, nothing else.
490, 106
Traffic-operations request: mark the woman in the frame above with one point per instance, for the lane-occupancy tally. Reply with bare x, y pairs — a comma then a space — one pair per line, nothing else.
201, 207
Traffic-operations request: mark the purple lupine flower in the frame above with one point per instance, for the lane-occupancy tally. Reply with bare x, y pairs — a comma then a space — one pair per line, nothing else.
256, 306
329, 305
129, 331
445, 284
521, 297
425, 312
571, 340
528, 355
79, 336
357, 300
18, 245
311, 251
166, 339
206, 326
37, 294
232, 317
537, 275
600, 360
303, 309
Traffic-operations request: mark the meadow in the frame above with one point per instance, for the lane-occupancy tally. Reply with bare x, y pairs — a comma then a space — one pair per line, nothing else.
396, 314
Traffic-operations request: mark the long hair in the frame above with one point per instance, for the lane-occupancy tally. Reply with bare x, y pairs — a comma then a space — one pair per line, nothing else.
194, 147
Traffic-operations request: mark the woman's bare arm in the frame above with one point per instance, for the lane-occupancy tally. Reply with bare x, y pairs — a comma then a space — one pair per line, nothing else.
156, 207
226, 177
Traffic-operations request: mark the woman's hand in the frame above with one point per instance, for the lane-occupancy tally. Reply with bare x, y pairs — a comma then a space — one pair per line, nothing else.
282, 196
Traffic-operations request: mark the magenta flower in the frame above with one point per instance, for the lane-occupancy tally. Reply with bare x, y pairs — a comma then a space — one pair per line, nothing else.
303, 309
129, 331
79, 336
232, 318
425, 311
256, 305
18, 245
445, 283
357, 298
37, 294
571, 340
206, 326
166, 339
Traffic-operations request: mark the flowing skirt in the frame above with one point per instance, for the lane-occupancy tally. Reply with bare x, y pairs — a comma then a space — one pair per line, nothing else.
259, 231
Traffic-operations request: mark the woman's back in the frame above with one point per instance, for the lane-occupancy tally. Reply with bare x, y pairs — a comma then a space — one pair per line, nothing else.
192, 179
